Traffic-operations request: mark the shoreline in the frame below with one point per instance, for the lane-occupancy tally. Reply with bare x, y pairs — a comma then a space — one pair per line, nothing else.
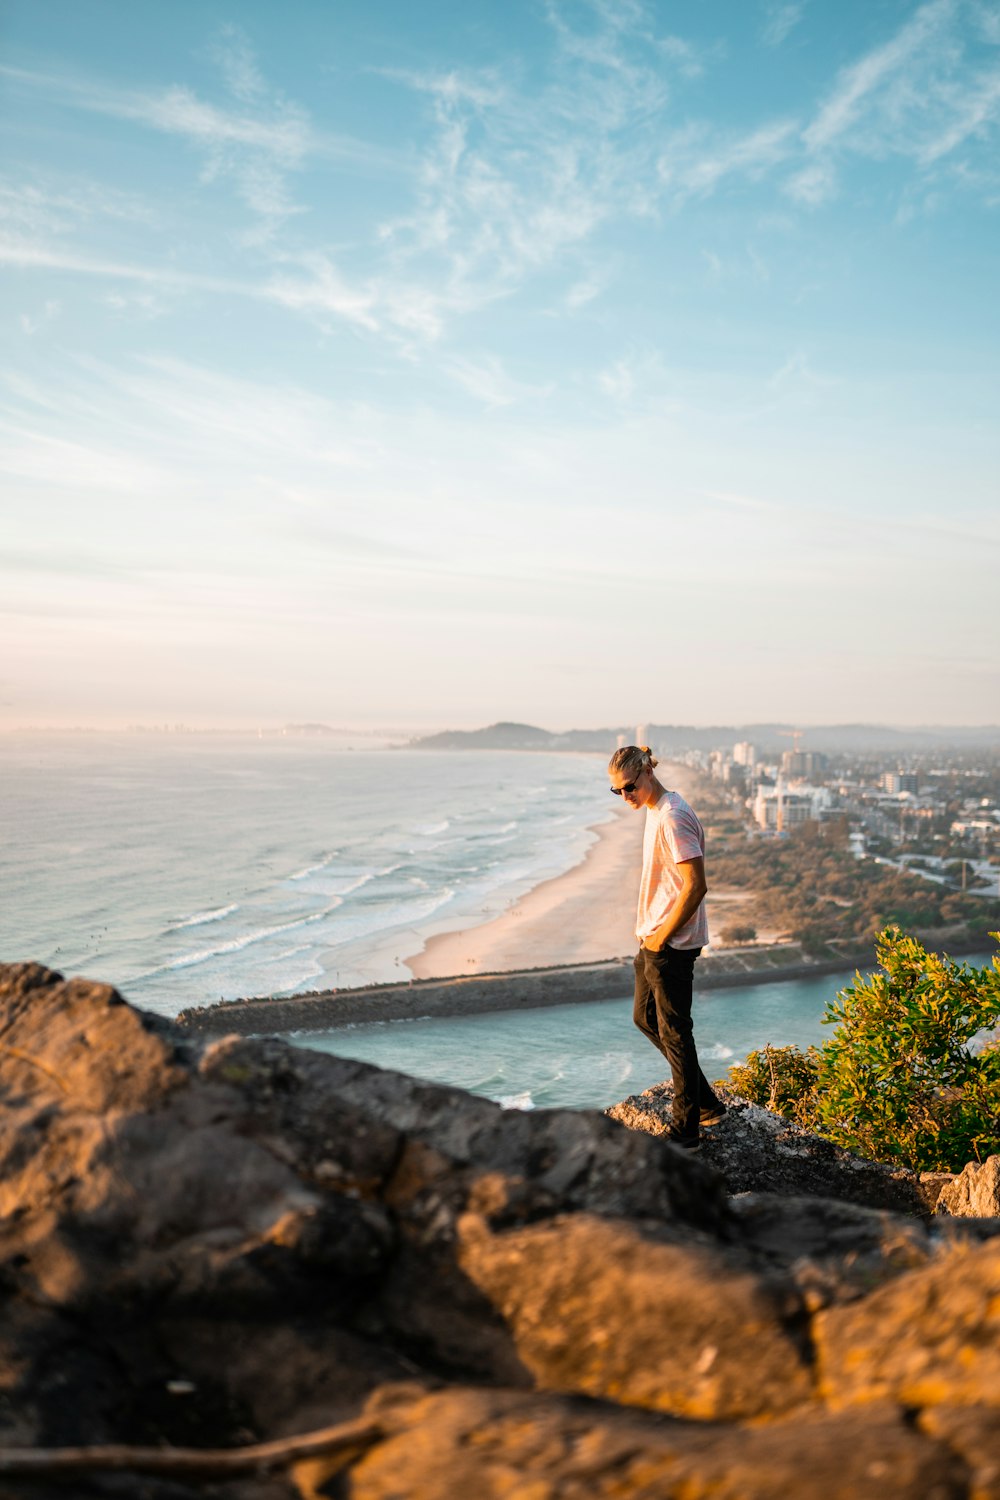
584, 915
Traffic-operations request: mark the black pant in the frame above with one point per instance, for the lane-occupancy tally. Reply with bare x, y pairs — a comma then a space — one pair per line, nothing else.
663, 991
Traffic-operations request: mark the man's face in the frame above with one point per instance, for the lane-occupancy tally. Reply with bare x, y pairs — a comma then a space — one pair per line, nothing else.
633, 786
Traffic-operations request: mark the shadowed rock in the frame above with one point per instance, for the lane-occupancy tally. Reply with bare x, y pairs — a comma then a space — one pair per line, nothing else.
755, 1151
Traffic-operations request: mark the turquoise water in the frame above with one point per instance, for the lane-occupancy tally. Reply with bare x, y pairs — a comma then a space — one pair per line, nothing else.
586, 1056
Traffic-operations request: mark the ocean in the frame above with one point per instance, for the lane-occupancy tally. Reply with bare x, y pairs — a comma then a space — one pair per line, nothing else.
186, 869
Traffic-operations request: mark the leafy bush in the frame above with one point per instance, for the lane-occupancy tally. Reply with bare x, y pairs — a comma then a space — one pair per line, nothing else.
779, 1078
898, 1080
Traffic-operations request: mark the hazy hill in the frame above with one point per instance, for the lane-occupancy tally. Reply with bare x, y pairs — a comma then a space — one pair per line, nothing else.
676, 738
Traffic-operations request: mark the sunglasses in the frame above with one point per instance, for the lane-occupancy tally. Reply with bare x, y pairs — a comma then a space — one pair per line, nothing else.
624, 791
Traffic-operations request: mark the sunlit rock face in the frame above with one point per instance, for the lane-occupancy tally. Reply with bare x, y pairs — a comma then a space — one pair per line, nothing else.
208, 1245
974, 1192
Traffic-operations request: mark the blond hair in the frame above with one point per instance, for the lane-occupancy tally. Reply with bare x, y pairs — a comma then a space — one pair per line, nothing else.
633, 760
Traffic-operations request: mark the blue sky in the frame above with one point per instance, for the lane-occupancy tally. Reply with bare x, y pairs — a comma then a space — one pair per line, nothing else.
573, 362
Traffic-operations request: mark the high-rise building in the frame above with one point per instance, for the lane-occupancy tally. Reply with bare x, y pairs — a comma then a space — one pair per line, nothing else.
899, 781
802, 762
745, 754
778, 809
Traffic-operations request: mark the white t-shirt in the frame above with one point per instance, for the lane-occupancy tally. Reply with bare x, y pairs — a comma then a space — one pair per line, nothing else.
673, 834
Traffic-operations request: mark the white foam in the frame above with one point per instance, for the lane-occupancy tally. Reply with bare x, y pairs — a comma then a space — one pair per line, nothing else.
516, 1101
199, 918
355, 885
314, 869
236, 945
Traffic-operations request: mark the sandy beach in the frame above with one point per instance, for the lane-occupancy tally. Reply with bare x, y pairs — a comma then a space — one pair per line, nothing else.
584, 916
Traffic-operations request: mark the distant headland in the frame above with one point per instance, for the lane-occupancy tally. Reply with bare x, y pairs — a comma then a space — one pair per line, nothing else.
675, 738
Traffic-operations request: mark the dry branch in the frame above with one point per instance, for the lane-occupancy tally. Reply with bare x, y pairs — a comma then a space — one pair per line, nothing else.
361, 1433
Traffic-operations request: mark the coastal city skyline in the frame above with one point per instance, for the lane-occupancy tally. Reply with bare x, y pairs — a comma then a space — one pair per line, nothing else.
532, 363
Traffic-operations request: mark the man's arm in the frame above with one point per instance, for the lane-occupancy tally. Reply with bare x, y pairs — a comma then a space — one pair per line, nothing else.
690, 896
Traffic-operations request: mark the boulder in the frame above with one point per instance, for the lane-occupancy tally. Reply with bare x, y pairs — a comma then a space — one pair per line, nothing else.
974, 1193
493, 1445
929, 1338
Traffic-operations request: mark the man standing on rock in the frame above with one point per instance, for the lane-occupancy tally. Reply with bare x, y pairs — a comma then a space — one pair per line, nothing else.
672, 928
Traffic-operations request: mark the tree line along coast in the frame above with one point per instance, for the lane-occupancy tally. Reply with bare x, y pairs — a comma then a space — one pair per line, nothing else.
861, 856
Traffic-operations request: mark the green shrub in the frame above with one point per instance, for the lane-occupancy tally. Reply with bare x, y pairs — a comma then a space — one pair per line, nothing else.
898, 1080
779, 1078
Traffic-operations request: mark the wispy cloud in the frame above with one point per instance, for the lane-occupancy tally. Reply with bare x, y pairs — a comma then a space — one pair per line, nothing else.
635, 380
693, 164
257, 142
319, 286
235, 56
858, 84
47, 206
510, 181
32, 323
797, 374
516, 180
489, 382
921, 95
973, 108
583, 291
618, 380
780, 20
814, 183
30, 255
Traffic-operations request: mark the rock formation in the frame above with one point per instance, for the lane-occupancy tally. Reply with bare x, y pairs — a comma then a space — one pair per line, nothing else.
755, 1151
975, 1192
215, 1246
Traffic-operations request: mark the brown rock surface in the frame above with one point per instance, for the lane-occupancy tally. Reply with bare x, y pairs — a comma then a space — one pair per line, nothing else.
209, 1245
492, 1445
662, 1324
974, 1193
930, 1338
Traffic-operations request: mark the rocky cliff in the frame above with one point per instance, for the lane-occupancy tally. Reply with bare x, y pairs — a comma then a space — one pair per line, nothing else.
240, 1269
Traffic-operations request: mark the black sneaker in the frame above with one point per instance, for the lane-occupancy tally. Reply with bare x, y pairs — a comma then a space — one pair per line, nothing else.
712, 1117
677, 1138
